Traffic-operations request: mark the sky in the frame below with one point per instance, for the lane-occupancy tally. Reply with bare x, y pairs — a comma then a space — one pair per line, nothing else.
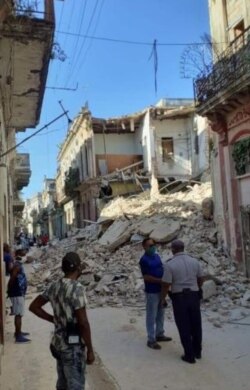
114, 78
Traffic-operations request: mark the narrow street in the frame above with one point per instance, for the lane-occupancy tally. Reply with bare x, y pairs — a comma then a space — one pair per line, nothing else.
126, 363
31, 366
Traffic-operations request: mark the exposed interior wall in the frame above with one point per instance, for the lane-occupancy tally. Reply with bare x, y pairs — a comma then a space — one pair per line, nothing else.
180, 162
116, 151
110, 162
117, 144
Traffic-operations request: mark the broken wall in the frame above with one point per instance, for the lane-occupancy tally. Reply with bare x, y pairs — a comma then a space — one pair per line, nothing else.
179, 164
146, 138
116, 151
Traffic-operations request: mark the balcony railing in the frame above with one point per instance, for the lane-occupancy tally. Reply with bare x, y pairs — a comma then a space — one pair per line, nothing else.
232, 66
35, 9
22, 170
23, 161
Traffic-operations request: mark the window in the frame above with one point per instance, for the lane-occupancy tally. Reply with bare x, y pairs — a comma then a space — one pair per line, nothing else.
238, 36
167, 145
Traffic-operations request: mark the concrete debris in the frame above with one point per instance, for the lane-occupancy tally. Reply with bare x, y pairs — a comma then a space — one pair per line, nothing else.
207, 208
110, 251
165, 231
117, 234
209, 289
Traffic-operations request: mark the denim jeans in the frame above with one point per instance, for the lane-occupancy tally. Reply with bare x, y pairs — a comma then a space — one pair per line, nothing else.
154, 316
70, 368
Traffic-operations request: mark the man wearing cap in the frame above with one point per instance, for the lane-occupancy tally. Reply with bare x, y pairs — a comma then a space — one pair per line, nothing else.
72, 330
184, 275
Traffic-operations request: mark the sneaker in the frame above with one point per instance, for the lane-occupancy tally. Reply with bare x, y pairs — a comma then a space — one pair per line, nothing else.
22, 340
163, 338
188, 360
153, 345
23, 334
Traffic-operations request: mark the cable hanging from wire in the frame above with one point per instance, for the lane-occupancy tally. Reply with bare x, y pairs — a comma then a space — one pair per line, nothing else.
154, 55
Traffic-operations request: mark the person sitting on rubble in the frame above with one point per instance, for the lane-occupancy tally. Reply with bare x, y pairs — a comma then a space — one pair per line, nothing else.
72, 330
152, 271
17, 287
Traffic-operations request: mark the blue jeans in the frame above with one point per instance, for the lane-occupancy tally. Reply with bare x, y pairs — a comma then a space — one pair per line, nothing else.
70, 368
154, 316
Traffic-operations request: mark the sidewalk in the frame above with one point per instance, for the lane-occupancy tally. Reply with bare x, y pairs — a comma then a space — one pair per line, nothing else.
28, 367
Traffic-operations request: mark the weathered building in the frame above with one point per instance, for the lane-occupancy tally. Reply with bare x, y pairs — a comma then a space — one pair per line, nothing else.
223, 96
26, 41
116, 156
39, 214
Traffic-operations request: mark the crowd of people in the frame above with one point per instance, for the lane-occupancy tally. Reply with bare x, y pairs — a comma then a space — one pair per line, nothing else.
25, 241
180, 278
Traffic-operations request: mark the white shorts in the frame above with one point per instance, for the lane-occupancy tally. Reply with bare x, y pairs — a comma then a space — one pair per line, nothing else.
18, 304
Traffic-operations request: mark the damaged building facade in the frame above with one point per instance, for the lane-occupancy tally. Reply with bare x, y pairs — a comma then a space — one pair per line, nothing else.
223, 97
108, 157
25, 49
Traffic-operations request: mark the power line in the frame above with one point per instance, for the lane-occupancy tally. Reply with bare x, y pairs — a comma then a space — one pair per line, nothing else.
79, 32
138, 43
88, 29
94, 31
33, 135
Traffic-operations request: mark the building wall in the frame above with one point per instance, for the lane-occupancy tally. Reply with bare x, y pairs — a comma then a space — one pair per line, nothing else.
76, 152
4, 218
200, 160
69, 211
179, 130
117, 144
146, 140
229, 12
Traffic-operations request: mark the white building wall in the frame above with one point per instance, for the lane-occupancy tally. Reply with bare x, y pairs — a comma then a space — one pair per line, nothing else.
146, 142
179, 130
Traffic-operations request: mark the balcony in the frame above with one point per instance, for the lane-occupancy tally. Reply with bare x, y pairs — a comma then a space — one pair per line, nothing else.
26, 47
18, 206
229, 81
22, 170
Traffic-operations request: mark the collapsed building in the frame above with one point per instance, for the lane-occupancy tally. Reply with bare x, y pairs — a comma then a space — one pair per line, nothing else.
101, 158
110, 250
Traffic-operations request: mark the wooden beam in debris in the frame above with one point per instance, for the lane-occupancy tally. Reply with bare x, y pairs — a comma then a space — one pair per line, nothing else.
123, 169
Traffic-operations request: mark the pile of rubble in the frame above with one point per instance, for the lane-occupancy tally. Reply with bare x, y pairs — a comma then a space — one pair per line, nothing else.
110, 251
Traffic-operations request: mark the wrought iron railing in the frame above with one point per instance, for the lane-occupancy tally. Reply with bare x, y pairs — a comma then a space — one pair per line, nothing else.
232, 64
35, 9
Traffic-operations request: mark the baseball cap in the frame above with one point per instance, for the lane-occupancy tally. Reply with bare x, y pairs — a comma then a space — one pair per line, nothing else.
70, 262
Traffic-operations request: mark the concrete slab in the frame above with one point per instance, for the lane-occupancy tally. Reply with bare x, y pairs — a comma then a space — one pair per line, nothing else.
117, 234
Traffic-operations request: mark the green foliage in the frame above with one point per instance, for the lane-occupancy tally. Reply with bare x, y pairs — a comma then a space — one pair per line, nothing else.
241, 156
72, 180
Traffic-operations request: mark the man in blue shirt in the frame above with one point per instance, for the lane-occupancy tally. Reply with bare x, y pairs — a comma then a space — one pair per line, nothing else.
152, 271
17, 288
